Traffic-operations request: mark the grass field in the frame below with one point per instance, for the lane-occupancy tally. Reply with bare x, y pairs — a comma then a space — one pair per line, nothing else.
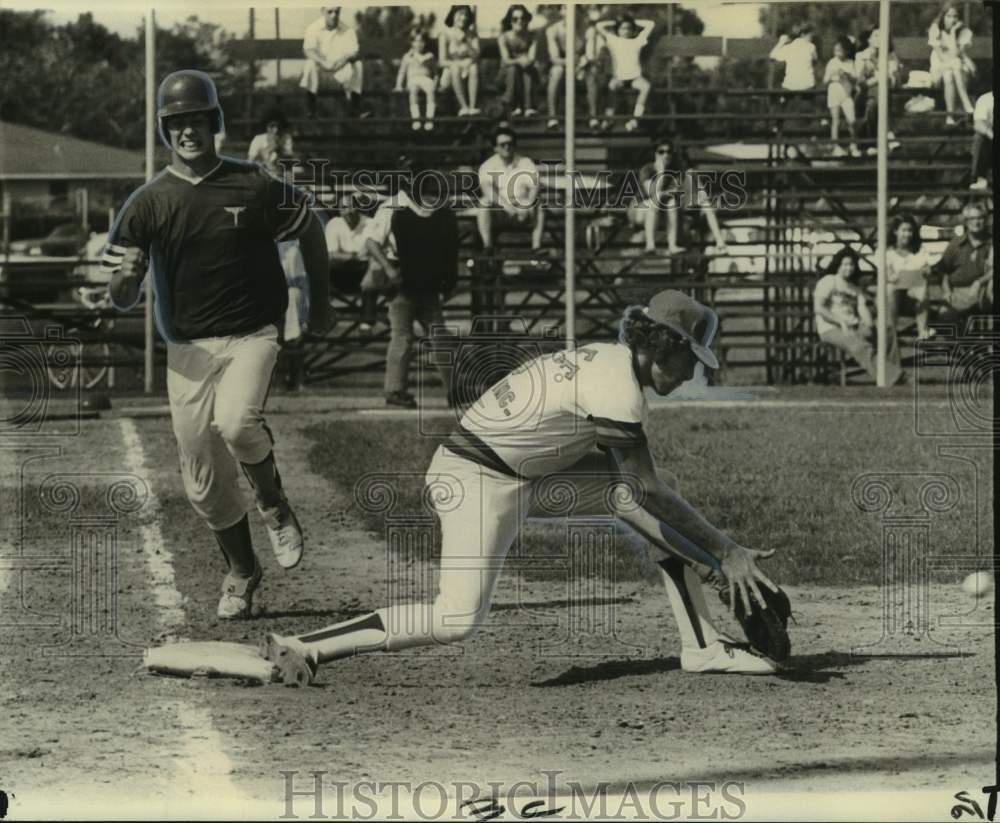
772, 478
578, 677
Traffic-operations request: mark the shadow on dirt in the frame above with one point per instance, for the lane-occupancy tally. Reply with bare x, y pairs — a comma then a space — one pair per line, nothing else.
611, 670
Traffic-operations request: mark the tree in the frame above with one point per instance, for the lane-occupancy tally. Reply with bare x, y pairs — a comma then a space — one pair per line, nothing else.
81, 79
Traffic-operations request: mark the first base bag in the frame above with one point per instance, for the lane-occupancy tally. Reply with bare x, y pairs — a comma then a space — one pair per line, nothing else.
209, 659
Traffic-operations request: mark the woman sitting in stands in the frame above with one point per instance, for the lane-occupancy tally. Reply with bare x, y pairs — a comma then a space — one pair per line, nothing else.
458, 54
907, 268
844, 320
518, 53
949, 39
273, 145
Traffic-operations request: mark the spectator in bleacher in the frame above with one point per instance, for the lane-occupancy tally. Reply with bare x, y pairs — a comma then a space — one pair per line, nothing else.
625, 39
592, 68
982, 142
555, 38
844, 320
866, 94
331, 49
416, 75
664, 182
965, 270
424, 231
518, 54
349, 260
509, 184
907, 269
951, 66
839, 77
799, 55
458, 54
272, 145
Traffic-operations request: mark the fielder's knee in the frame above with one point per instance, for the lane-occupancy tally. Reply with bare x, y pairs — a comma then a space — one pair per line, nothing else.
456, 622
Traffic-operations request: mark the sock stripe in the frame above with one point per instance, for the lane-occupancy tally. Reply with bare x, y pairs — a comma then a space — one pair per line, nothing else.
676, 571
369, 621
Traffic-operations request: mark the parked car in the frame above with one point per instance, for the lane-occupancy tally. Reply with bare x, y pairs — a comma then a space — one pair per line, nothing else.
65, 240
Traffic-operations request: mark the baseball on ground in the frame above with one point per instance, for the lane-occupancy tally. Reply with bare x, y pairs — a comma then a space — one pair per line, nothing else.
978, 583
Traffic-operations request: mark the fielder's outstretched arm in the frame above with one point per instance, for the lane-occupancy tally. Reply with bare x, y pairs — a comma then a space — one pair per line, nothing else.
679, 524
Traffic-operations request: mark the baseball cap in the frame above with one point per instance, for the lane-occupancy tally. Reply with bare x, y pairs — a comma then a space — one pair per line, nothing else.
688, 318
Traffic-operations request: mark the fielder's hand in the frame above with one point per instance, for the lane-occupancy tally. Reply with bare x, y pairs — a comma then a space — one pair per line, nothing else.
740, 568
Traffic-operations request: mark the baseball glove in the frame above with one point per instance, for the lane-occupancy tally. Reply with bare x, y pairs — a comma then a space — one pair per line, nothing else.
765, 629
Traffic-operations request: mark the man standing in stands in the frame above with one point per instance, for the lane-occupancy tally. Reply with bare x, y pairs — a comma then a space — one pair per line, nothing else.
422, 226
331, 50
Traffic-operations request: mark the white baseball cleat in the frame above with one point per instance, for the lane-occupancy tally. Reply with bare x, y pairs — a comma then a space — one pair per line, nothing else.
237, 595
296, 665
285, 533
725, 658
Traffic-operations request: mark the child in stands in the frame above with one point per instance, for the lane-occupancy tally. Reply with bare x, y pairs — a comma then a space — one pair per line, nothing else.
416, 69
839, 78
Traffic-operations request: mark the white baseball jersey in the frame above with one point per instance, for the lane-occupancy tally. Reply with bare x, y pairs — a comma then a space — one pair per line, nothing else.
332, 44
502, 184
552, 411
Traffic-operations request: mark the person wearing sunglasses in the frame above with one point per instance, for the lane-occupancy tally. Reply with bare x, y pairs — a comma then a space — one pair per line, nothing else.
509, 184
664, 184
518, 51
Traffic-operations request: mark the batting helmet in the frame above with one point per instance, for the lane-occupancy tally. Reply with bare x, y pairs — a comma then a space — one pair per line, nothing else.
184, 92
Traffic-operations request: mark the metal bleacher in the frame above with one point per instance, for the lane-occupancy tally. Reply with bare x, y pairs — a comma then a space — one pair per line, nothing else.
799, 204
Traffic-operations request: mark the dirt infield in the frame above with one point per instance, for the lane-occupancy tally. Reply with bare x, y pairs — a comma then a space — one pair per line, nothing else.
525, 699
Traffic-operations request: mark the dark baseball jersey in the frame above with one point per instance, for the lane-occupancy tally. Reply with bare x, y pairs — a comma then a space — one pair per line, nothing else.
212, 247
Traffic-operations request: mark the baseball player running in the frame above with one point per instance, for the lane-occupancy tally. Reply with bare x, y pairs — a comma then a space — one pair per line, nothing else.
541, 423
211, 225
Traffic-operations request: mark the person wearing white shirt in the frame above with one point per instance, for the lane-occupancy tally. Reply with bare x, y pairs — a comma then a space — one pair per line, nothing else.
345, 243
799, 56
509, 184
982, 142
625, 39
568, 425
331, 49
840, 77
907, 268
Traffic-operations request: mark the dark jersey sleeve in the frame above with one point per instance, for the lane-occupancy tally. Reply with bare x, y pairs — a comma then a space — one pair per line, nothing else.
287, 208
133, 228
